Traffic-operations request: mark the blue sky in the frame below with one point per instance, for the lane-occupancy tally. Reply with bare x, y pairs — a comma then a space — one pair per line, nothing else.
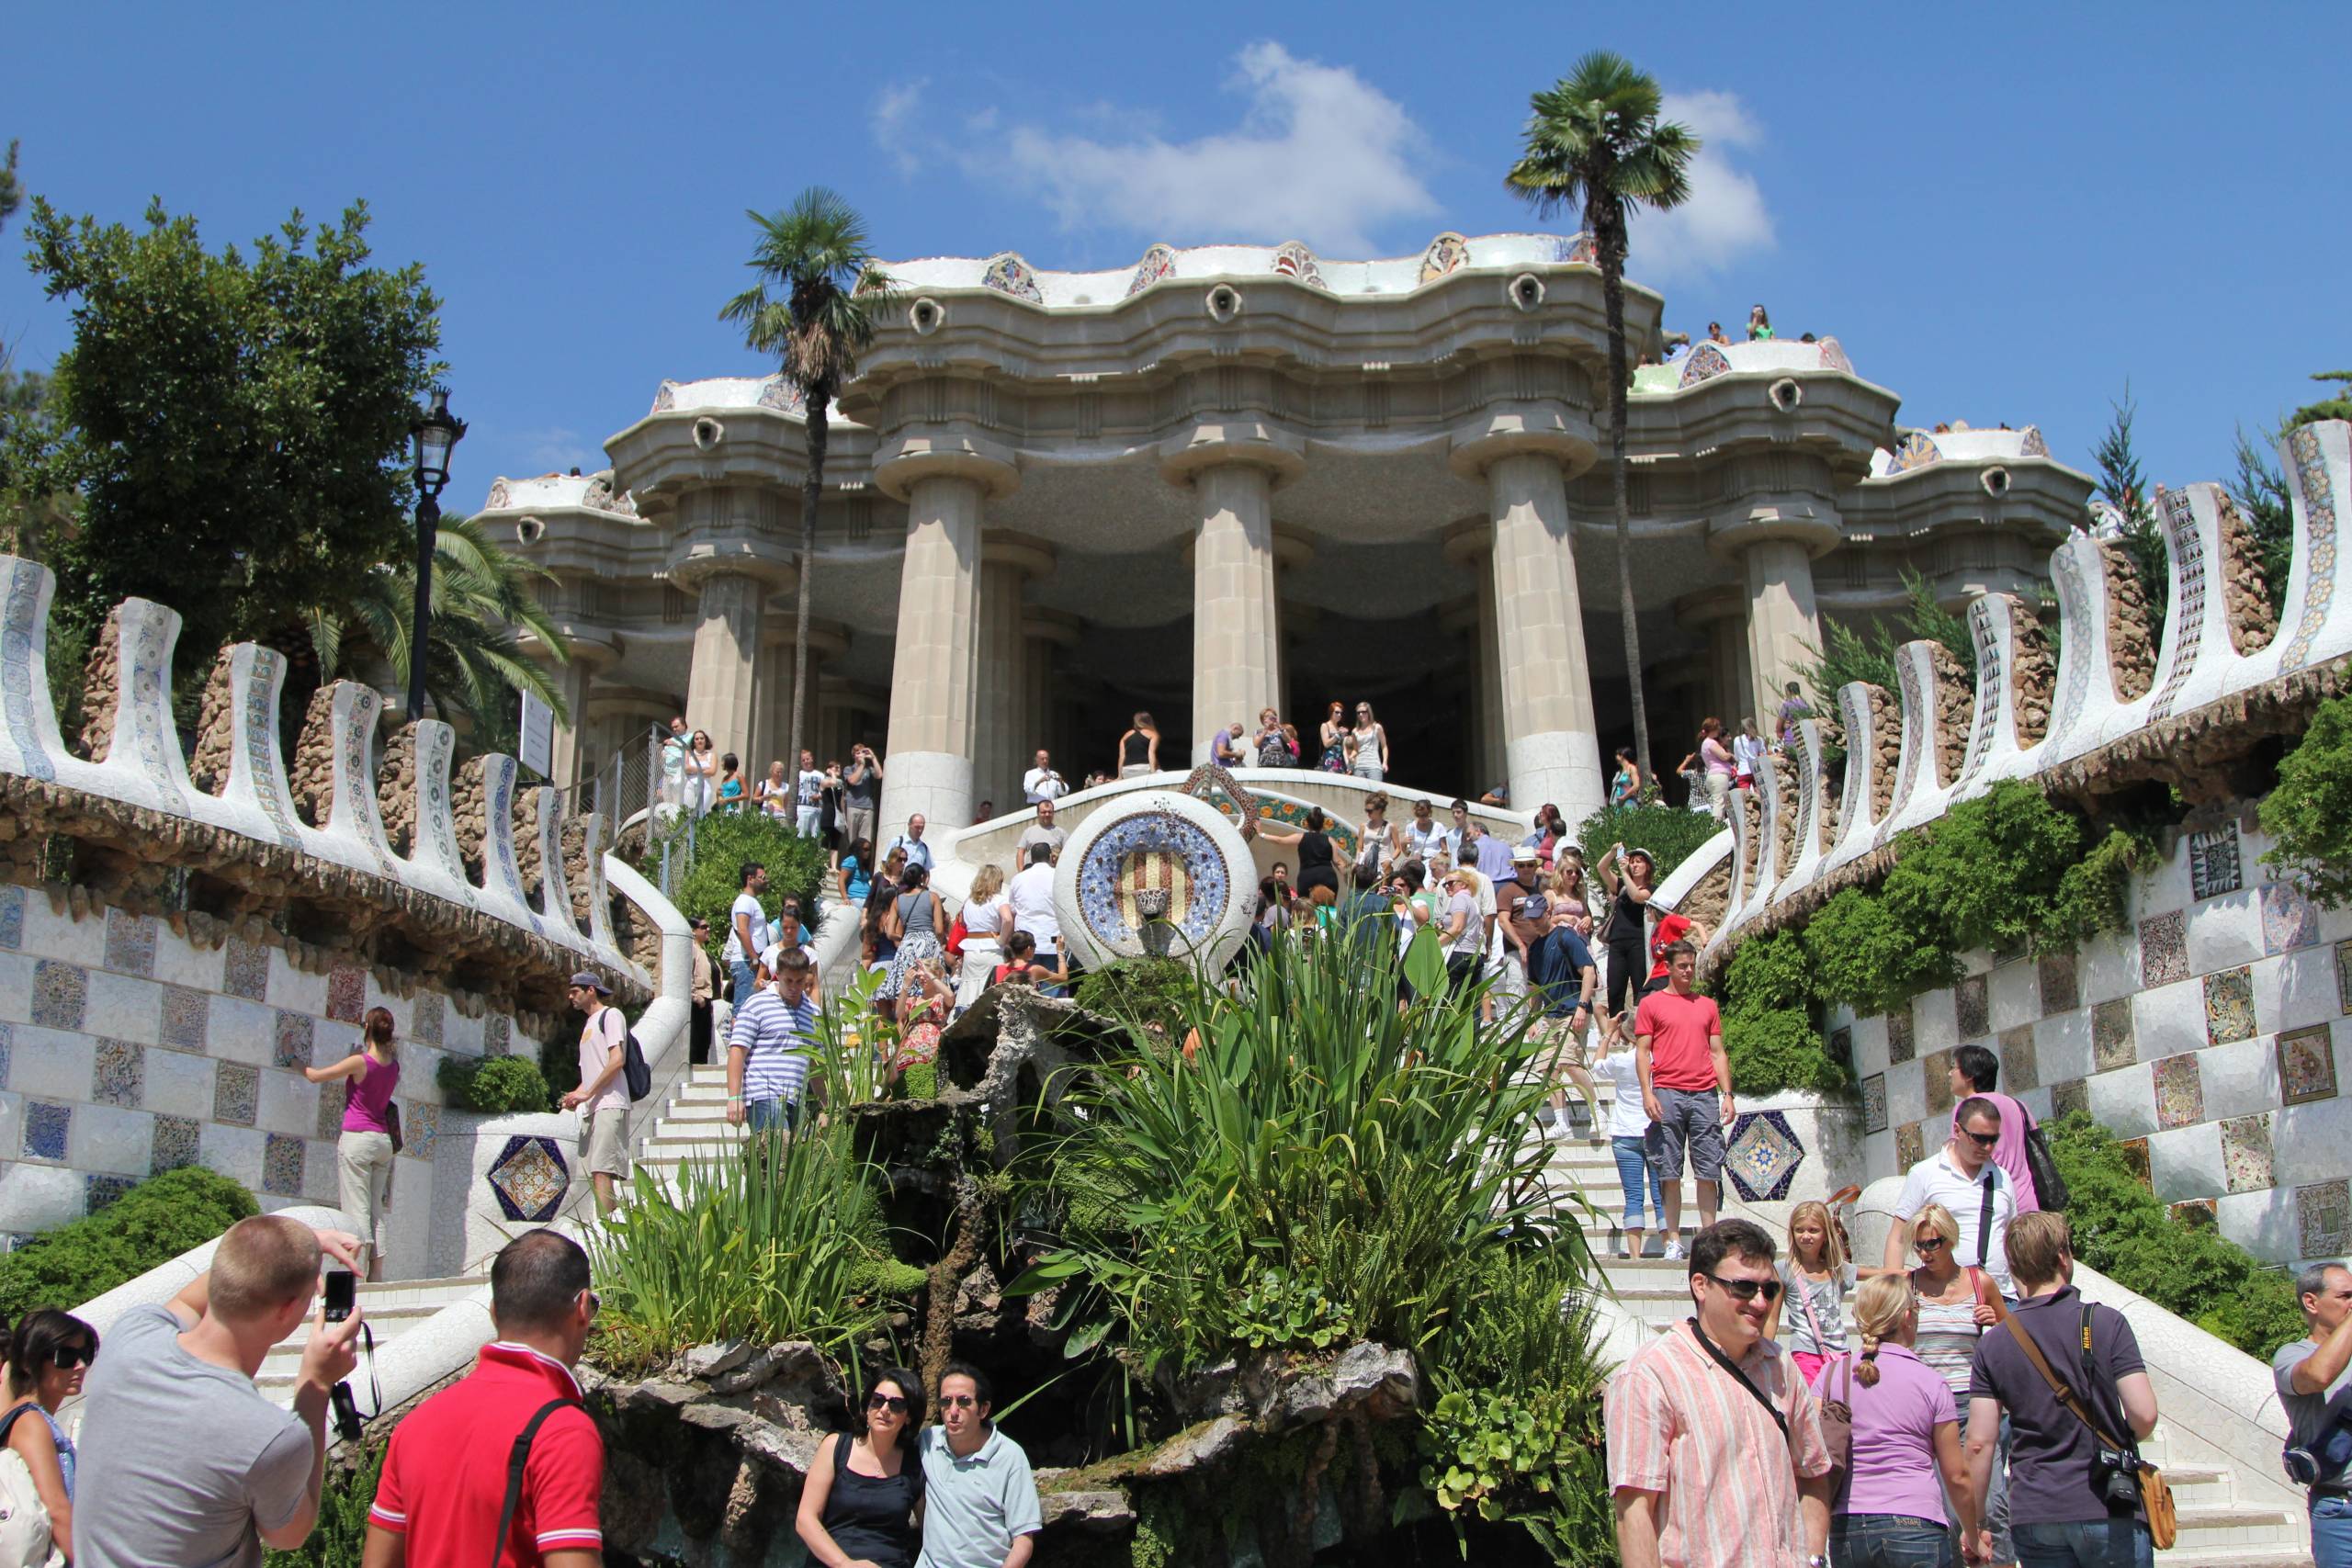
2004, 212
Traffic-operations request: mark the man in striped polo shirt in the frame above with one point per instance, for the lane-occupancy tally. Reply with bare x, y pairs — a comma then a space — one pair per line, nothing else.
769, 1050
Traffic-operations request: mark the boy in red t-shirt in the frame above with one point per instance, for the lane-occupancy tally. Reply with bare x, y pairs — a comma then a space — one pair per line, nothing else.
1686, 1088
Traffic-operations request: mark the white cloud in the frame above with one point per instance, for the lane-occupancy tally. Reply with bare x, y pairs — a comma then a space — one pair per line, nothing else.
1318, 154
555, 449
1725, 220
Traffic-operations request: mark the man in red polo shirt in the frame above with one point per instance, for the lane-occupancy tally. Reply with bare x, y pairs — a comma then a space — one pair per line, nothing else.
1686, 1088
445, 1481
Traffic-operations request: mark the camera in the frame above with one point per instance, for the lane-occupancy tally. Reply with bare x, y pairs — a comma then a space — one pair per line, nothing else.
346, 1412
342, 1294
2116, 1478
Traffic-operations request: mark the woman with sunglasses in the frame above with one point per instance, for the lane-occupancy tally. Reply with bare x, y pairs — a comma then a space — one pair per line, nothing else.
47, 1356
1953, 1314
858, 1505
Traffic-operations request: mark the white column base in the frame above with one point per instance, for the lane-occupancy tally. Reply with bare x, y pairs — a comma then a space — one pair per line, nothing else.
936, 784
1561, 767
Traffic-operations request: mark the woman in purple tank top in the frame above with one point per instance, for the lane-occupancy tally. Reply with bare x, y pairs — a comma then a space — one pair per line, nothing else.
364, 1152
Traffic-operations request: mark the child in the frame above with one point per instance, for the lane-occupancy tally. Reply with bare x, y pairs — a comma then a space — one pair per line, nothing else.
1814, 1285
1630, 1130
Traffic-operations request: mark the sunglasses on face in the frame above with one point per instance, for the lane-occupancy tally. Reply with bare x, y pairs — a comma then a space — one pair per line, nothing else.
895, 1404
68, 1357
1748, 1290
1984, 1140
1928, 1243
959, 1401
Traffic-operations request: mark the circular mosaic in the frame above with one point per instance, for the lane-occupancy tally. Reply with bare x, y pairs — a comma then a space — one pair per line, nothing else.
1157, 873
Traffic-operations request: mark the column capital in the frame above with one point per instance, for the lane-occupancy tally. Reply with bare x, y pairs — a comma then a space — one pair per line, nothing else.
1510, 430
1002, 547
826, 639
1291, 549
1252, 443
1469, 542
1723, 603
590, 648
916, 455
1056, 626
698, 561
1810, 521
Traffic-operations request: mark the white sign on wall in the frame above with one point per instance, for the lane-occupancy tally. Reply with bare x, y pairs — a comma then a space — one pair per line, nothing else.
537, 737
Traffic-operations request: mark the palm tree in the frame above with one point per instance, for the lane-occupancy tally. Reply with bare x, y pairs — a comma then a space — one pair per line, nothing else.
473, 664
828, 291
1594, 141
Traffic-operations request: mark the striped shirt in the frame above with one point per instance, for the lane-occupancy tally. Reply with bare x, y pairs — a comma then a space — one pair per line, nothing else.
775, 1038
1946, 1338
1680, 1425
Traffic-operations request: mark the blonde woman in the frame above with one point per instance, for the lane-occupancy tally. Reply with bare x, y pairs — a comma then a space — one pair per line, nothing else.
1957, 1306
1815, 1280
988, 915
1906, 1438
364, 1152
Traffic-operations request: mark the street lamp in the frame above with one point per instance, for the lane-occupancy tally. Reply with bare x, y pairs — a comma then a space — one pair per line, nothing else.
436, 434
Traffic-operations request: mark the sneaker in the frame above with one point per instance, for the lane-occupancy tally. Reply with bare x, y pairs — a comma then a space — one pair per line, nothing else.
1674, 1252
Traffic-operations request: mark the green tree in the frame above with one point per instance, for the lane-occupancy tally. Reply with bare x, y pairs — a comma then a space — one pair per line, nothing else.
236, 429
473, 664
1594, 141
2260, 491
12, 189
2337, 407
820, 292
2123, 486
1848, 653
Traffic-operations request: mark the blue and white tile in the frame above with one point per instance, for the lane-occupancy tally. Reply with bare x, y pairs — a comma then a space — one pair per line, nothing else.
235, 1152
119, 1142
51, 1064
296, 990
12, 1127
52, 934
123, 1006
2185, 1162
2124, 1102
2168, 1019
2106, 966
289, 1103
2224, 932
35, 1198
240, 1031
179, 1083
2240, 1078
179, 961
2062, 1045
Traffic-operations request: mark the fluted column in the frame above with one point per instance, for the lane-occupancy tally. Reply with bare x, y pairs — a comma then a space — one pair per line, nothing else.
1237, 617
1552, 749
1005, 737
933, 713
1784, 626
722, 684
1042, 632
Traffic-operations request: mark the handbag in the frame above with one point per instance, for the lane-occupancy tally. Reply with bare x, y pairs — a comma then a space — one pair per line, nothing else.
1838, 1421
2155, 1494
956, 935
392, 1124
2048, 1186
26, 1540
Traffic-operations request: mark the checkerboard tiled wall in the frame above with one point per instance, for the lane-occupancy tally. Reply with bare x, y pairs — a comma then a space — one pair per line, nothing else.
2212, 1034
125, 1051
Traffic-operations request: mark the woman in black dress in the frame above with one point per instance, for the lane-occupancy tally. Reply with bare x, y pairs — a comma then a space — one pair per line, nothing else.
1139, 748
858, 1504
1318, 877
1626, 874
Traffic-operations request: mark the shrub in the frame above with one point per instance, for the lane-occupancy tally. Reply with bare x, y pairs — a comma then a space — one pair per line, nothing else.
151, 1224
493, 1084
2309, 814
1140, 992
1669, 832
1772, 1049
713, 875
1768, 972
1863, 957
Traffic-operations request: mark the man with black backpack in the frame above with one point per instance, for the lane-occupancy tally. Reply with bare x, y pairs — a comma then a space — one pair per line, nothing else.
505, 1466
602, 1096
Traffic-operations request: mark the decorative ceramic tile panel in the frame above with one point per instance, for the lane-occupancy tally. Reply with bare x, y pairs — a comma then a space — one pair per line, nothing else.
2246, 1152
1936, 1066
2289, 919
12, 918
331, 1100
2194, 1212
48, 1127
281, 1165
529, 1178
1874, 1103
175, 1144
104, 1191
497, 1035
426, 1018
246, 973
1762, 1156
2323, 1217
2136, 1159
2306, 1064
1969, 1000
2112, 1037
2343, 975
347, 994
130, 942
2020, 1070
236, 1093
1899, 1040
2229, 1005
420, 1128
2072, 1095
60, 993
293, 1040
1910, 1148
2214, 863
119, 1074
186, 1016
2163, 949
2061, 992
7, 1049
2180, 1093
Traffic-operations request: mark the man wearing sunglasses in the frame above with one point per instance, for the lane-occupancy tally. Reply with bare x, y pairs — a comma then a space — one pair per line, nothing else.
445, 1491
1716, 1455
981, 1505
1963, 1178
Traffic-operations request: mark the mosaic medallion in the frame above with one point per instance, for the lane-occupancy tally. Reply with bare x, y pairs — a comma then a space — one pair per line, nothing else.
2343, 975
175, 1144
2020, 1068
2246, 1152
236, 1093
1900, 1046
2229, 1005
1910, 1145
2194, 1212
2060, 990
281, 1165
130, 942
2135, 1157
1969, 1002
2214, 865
246, 971
529, 1178
119, 1074
1165, 873
49, 1129
2163, 949
60, 993
186, 1015
12, 918
1762, 1156
2324, 1216
2289, 919
2180, 1093
295, 1040
2306, 1064
1874, 1103
2111, 1038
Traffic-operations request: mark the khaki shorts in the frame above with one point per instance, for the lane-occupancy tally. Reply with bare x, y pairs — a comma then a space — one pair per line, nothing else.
601, 1140
1568, 1044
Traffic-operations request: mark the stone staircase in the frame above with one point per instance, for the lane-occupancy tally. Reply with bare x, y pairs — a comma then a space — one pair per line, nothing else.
390, 1310
2219, 1526
692, 1125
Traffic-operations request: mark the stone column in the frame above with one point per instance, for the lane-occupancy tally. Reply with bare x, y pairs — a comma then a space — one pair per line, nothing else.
1783, 626
1006, 733
722, 684
566, 753
1042, 632
934, 715
1552, 751
1236, 628
1719, 615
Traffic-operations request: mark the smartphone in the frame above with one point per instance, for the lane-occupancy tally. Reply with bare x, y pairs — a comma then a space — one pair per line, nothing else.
343, 1294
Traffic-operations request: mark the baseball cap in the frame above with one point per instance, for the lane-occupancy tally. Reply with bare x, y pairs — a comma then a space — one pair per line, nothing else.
591, 983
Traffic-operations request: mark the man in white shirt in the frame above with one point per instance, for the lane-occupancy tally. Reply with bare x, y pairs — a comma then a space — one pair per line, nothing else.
1962, 1177
1031, 893
808, 796
918, 853
1041, 783
747, 931
1042, 831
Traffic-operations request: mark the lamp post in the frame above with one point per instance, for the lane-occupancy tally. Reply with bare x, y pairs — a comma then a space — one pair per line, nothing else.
436, 433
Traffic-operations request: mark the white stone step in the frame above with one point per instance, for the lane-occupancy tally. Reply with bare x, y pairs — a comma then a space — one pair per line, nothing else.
389, 1311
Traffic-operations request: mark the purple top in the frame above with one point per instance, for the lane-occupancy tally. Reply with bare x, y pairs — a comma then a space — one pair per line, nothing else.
2010, 1153
367, 1106
1893, 1469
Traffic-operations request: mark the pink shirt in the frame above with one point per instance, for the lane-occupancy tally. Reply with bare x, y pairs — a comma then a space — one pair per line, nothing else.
1680, 1425
367, 1107
1894, 1468
2010, 1153
597, 1037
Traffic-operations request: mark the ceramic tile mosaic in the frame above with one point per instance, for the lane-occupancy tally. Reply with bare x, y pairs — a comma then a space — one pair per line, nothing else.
102, 1192
2163, 949
529, 1178
2290, 919
497, 1035
1762, 1156
1936, 1066
186, 1015
1900, 1039
236, 1093
2136, 1159
293, 1040
281, 1165
175, 1144
1841, 1046
2213, 863
246, 973
420, 1129
1874, 1103
347, 994
2323, 1218
2229, 1005
7, 1049
2180, 1093
2074, 1094
60, 993
2306, 1064
1910, 1147
12, 918
2343, 975
130, 942
2111, 1041
1969, 1001
2246, 1152
47, 1129
2195, 1212
2020, 1070
2061, 992
119, 1074
426, 1019
332, 1099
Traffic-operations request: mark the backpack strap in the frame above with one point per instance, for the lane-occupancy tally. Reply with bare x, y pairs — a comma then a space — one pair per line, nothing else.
516, 1460
2058, 1389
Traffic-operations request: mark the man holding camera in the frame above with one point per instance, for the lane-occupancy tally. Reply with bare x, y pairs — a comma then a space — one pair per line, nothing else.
863, 789
182, 1459
2312, 1374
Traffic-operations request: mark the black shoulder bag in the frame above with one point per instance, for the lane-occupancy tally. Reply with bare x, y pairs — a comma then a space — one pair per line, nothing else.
1984, 1220
1727, 1364
516, 1460
2048, 1186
